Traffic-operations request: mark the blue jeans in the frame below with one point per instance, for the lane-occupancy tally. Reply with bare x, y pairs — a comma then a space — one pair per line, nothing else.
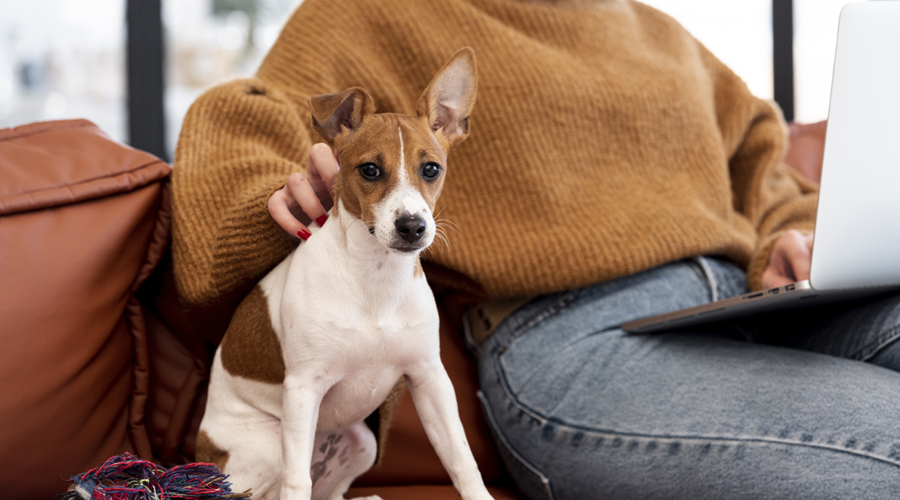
581, 410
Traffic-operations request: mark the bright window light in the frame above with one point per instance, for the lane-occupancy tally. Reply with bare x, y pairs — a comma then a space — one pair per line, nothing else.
738, 33
815, 37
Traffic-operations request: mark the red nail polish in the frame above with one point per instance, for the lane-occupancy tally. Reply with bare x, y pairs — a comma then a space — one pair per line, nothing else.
303, 233
320, 220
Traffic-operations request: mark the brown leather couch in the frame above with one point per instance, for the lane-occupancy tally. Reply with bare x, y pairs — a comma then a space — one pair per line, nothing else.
97, 354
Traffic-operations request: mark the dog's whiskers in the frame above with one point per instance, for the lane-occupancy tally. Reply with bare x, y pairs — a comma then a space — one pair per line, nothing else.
441, 237
447, 223
438, 244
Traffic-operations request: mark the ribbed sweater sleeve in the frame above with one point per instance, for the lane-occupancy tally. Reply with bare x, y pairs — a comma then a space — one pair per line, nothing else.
239, 143
763, 188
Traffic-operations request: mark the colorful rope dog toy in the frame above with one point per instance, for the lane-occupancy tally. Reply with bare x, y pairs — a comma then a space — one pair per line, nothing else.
127, 477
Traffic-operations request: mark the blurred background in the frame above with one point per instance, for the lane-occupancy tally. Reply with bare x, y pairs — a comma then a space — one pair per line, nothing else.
75, 59
69, 58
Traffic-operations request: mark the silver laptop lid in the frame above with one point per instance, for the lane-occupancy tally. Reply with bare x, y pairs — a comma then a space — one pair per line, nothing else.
858, 222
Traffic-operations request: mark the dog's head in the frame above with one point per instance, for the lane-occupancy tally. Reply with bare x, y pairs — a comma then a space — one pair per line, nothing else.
393, 165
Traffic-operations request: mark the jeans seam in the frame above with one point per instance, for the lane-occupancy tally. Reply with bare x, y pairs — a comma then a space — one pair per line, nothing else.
505, 442
869, 351
548, 312
544, 420
504, 386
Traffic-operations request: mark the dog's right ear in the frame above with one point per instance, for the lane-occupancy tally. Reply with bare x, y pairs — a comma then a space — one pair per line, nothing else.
333, 113
449, 98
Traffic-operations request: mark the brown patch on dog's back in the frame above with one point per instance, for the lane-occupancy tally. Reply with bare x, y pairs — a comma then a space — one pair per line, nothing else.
250, 348
209, 452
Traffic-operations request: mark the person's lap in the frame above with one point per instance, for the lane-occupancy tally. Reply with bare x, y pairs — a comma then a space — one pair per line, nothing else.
581, 409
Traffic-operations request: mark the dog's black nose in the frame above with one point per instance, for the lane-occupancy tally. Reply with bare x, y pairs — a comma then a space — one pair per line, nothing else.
410, 227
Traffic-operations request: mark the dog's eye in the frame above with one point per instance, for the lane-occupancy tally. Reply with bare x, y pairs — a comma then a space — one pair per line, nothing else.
370, 171
431, 171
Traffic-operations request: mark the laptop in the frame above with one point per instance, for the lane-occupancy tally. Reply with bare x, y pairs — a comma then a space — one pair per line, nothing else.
856, 251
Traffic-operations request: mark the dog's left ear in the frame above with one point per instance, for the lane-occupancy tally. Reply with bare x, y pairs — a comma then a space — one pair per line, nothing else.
449, 98
333, 113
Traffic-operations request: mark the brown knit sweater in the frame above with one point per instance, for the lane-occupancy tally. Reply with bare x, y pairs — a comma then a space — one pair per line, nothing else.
606, 140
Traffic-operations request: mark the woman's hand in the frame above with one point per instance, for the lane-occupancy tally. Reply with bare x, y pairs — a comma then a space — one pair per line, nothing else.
306, 197
790, 260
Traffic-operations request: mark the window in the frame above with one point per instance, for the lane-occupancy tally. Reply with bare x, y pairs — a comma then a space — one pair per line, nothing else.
63, 59
738, 33
815, 39
211, 41
66, 59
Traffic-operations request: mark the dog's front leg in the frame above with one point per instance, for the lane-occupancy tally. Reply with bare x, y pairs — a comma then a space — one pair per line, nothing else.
300, 413
435, 401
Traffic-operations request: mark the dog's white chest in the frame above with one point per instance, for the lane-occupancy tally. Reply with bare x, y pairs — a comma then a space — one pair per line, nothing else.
356, 396
361, 343
364, 364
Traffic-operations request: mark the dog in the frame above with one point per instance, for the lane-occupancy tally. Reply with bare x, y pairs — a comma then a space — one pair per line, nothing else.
321, 341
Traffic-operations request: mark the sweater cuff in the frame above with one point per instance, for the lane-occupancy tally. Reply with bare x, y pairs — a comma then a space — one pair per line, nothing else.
259, 206
246, 244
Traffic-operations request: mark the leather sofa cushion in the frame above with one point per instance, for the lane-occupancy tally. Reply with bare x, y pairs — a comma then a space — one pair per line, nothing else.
80, 229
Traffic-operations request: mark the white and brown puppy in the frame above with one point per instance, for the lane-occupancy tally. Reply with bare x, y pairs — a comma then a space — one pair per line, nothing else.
321, 341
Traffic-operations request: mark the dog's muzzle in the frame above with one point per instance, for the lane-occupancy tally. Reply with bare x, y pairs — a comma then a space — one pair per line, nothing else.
410, 228
410, 231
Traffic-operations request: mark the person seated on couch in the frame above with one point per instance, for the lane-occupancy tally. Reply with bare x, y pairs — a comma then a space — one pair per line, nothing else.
615, 169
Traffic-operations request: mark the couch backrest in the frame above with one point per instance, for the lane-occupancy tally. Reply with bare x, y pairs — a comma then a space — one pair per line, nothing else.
81, 227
